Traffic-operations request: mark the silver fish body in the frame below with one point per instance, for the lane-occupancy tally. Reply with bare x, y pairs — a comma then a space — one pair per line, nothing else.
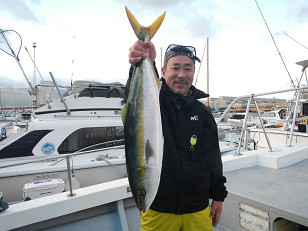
143, 133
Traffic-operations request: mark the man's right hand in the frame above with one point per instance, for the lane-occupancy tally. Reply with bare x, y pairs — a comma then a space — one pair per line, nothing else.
141, 50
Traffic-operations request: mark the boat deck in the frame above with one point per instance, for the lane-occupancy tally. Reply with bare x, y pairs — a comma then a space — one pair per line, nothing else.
282, 192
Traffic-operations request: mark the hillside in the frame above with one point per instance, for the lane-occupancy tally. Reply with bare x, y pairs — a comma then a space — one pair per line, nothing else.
14, 97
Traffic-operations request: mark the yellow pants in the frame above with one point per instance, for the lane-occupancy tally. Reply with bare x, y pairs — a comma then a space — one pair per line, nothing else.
157, 221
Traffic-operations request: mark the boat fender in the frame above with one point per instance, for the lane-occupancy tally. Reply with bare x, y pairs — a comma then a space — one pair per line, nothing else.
3, 205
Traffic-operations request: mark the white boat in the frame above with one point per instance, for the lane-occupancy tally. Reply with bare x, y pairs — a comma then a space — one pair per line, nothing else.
267, 191
91, 123
236, 120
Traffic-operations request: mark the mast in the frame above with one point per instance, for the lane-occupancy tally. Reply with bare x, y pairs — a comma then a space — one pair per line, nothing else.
0, 101
161, 61
34, 77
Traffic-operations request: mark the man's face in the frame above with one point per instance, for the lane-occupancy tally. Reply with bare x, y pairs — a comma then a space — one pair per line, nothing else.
179, 74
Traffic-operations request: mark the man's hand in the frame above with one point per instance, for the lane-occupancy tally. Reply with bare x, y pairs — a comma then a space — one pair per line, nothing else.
141, 50
216, 209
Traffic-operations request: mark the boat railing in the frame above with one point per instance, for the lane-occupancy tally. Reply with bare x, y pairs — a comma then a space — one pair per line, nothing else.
252, 99
120, 205
62, 156
59, 92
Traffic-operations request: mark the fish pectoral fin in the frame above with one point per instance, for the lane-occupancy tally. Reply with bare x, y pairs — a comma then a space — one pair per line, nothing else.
149, 151
123, 113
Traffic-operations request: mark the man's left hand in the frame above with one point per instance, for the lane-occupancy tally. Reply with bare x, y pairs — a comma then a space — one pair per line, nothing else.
216, 209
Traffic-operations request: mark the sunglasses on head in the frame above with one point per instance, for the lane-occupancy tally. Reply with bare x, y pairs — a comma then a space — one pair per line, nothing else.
189, 50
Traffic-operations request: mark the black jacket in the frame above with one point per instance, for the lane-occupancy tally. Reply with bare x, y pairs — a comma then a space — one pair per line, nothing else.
189, 177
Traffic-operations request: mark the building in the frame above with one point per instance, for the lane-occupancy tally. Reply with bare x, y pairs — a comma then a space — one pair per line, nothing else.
264, 104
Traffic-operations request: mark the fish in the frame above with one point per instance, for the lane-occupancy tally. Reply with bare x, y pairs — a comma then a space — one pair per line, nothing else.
143, 135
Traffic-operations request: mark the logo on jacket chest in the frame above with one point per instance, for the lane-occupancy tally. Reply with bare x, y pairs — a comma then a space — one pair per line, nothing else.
194, 118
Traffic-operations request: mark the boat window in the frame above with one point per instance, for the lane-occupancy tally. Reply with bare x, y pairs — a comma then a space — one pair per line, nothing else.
269, 114
24, 145
305, 109
102, 92
26, 116
92, 138
238, 116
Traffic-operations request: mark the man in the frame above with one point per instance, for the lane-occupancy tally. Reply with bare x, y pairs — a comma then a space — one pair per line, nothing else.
3, 133
192, 167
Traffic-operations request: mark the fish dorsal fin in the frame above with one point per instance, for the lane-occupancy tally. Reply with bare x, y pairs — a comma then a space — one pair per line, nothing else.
149, 151
144, 33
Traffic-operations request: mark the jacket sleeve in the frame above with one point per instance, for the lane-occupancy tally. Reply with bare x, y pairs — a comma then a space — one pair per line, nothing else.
130, 74
218, 191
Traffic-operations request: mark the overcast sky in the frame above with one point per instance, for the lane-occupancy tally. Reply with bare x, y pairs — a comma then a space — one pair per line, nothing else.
97, 35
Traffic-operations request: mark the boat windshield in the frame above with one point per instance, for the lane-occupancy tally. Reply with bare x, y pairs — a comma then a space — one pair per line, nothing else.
95, 89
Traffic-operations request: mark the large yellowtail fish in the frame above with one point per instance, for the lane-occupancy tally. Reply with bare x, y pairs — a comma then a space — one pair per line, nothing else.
142, 124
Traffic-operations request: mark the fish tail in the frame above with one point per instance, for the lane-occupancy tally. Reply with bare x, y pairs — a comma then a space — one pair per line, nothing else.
144, 33
156, 24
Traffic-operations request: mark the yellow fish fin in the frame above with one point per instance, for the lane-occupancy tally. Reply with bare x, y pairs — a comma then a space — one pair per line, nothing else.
123, 113
133, 21
144, 33
156, 24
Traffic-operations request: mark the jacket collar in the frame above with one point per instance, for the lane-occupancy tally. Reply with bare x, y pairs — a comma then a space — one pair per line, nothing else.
184, 100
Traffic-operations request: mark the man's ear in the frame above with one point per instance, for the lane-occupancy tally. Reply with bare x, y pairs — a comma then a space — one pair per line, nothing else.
163, 70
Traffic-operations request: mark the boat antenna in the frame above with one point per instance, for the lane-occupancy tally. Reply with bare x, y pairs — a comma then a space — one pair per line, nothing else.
200, 65
275, 44
73, 61
296, 41
34, 63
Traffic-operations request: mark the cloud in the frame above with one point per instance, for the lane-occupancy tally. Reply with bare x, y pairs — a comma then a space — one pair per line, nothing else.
201, 26
302, 14
298, 11
14, 97
157, 4
19, 10
191, 17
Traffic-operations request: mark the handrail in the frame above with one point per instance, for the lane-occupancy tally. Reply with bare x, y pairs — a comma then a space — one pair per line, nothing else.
61, 96
68, 166
263, 128
274, 92
59, 156
255, 95
244, 124
294, 116
252, 97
